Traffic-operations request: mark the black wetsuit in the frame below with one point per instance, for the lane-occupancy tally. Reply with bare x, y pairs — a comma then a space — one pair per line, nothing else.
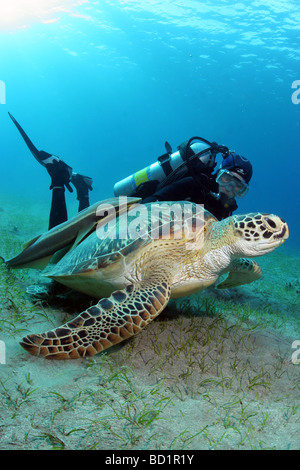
187, 189
197, 188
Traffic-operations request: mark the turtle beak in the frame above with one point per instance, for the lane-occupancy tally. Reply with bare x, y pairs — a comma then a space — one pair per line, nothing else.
285, 233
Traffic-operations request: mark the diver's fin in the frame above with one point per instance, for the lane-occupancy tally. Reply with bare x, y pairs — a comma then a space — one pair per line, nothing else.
83, 184
35, 152
41, 156
46, 159
168, 147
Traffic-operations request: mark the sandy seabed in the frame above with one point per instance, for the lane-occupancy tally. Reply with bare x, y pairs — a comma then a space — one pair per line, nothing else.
216, 370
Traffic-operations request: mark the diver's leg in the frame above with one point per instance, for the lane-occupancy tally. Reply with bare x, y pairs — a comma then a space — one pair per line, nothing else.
54, 164
60, 174
83, 185
58, 211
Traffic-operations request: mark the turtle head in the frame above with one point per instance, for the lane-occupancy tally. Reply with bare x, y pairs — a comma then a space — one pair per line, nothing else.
258, 234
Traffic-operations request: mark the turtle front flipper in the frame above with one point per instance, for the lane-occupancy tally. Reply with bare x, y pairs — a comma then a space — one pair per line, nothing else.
241, 271
125, 313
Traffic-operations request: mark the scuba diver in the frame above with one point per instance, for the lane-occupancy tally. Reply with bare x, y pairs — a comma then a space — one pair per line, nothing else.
61, 175
188, 174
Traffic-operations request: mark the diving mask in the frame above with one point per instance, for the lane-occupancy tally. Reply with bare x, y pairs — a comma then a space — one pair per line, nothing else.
232, 183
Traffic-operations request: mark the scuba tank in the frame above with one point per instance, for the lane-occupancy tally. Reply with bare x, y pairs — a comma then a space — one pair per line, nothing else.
168, 165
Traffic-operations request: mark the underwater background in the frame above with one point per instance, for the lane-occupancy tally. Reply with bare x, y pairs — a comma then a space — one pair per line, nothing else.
103, 84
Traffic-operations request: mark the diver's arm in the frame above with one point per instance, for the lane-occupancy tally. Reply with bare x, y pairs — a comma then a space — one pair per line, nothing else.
177, 191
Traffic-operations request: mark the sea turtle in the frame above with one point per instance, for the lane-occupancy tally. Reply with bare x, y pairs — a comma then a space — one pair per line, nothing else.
123, 255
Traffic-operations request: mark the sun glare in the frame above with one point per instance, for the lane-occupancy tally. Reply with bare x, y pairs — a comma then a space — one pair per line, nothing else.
20, 14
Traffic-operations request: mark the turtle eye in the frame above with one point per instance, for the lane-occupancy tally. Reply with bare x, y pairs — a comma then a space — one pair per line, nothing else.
270, 222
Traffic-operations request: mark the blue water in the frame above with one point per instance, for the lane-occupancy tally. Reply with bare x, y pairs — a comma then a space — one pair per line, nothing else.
103, 84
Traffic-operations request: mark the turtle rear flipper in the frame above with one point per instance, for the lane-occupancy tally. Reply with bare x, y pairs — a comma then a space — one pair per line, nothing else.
38, 291
241, 271
44, 291
125, 313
